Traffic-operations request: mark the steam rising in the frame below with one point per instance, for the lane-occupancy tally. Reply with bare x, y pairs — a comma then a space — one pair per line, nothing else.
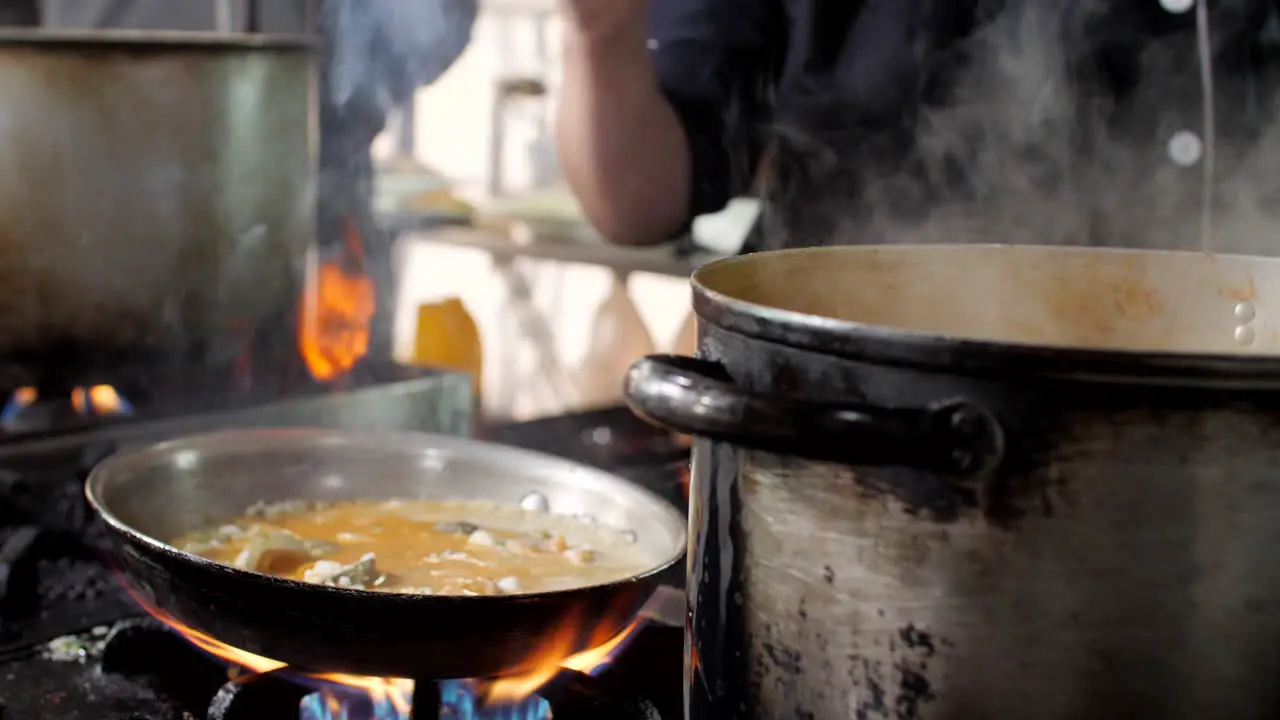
388, 48
1032, 147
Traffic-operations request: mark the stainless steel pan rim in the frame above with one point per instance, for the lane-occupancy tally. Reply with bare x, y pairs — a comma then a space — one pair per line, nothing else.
429, 445
912, 348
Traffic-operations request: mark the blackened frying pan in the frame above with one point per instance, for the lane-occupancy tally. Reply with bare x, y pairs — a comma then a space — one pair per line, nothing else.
150, 496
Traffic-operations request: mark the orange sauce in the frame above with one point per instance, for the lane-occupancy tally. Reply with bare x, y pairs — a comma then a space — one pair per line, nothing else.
422, 546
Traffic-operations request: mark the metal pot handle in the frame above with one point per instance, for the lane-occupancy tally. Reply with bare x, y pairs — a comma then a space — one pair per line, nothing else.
698, 397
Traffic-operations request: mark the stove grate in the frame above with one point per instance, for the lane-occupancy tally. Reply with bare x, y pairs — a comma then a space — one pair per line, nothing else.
54, 577
273, 694
147, 651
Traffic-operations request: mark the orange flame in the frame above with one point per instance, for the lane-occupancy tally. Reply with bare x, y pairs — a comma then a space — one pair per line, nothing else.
99, 400
549, 659
335, 310
22, 398
25, 396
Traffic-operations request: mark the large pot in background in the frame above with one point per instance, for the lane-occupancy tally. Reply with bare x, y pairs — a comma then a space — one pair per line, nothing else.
156, 195
970, 482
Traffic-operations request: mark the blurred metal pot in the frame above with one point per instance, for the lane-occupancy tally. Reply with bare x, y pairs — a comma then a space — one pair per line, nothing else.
156, 195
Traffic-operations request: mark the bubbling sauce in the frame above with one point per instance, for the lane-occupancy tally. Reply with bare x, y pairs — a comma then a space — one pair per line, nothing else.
430, 547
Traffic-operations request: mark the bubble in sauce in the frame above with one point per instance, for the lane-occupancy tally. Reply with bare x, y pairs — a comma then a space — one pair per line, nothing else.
1245, 312
1245, 335
535, 502
630, 536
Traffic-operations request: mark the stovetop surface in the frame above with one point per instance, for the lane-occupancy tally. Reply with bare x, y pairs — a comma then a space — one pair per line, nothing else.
73, 645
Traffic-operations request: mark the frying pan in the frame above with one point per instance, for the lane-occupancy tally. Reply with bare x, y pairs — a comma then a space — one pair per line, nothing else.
149, 496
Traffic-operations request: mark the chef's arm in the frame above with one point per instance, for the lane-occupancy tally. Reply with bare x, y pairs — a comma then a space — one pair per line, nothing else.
641, 129
620, 144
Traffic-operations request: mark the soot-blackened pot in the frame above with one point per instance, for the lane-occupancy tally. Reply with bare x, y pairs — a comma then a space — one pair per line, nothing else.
971, 482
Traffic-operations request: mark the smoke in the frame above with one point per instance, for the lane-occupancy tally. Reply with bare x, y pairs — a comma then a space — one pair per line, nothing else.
385, 49
1054, 130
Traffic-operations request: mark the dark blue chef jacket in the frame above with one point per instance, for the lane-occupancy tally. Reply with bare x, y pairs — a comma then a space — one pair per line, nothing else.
733, 69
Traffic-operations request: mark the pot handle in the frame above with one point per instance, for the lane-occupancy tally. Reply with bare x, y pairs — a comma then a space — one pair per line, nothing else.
698, 397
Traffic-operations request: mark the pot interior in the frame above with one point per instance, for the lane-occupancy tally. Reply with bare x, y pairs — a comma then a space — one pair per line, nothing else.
1065, 297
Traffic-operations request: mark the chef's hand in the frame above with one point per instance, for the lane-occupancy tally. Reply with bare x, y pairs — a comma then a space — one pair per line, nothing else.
604, 18
383, 50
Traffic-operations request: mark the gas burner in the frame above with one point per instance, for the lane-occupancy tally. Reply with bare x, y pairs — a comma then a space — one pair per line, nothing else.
140, 669
166, 395
30, 410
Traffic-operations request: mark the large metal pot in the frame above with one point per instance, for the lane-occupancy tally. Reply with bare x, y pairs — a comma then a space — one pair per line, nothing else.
969, 482
156, 194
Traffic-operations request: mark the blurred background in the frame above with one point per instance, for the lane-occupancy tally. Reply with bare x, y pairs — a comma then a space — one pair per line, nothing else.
467, 177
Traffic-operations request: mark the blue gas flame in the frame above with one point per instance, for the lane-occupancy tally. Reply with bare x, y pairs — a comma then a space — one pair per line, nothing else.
458, 701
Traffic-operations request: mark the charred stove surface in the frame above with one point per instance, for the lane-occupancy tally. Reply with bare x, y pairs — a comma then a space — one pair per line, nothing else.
53, 578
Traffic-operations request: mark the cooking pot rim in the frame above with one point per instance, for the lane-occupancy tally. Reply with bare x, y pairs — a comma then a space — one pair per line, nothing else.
152, 40
911, 348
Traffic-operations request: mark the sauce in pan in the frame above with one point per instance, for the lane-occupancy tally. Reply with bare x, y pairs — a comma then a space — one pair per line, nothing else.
422, 546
